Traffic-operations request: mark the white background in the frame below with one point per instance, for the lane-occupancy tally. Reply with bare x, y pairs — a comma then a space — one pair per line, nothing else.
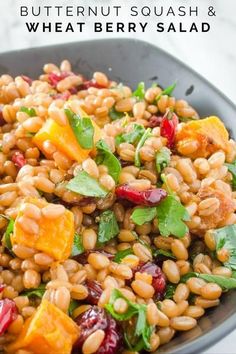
211, 54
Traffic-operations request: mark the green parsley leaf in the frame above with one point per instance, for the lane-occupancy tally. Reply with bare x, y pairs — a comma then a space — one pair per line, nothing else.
140, 91
7, 235
142, 215
142, 330
170, 290
132, 137
232, 170
168, 91
122, 254
73, 305
171, 214
30, 111
162, 159
145, 136
8, 232
78, 247
108, 227
225, 237
114, 114
224, 282
82, 128
86, 185
107, 158
38, 292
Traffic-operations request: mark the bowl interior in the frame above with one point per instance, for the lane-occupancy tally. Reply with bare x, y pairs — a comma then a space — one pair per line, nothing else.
131, 61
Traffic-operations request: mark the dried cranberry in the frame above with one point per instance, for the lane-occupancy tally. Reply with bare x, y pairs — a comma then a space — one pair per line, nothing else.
113, 339
94, 292
158, 277
150, 197
90, 321
54, 78
96, 318
87, 84
82, 258
8, 313
155, 121
27, 79
168, 127
18, 159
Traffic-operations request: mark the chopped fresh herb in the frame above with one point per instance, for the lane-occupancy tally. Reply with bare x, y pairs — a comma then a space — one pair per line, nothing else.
170, 290
82, 128
132, 137
145, 136
142, 330
225, 237
140, 91
122, 254
142, 215
114, 114
86, 185
8, 232
73, 305
167, 92
224, 282
38, 292
30, 111
161, 252
7, 235
78, 247
171, 215
107, 158
108, 227
232, 170
162, 159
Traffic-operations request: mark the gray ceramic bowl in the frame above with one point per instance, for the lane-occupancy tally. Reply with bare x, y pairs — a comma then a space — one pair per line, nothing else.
132, 61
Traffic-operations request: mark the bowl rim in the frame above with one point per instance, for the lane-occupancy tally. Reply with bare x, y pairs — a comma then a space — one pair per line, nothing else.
125, 39
216, 334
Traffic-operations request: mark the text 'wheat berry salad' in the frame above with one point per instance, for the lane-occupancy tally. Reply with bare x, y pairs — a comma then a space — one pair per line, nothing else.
117, 222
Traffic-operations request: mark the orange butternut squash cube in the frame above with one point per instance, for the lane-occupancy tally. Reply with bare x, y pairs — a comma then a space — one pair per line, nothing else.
55, 236
209, 135
48, 331
63, 138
